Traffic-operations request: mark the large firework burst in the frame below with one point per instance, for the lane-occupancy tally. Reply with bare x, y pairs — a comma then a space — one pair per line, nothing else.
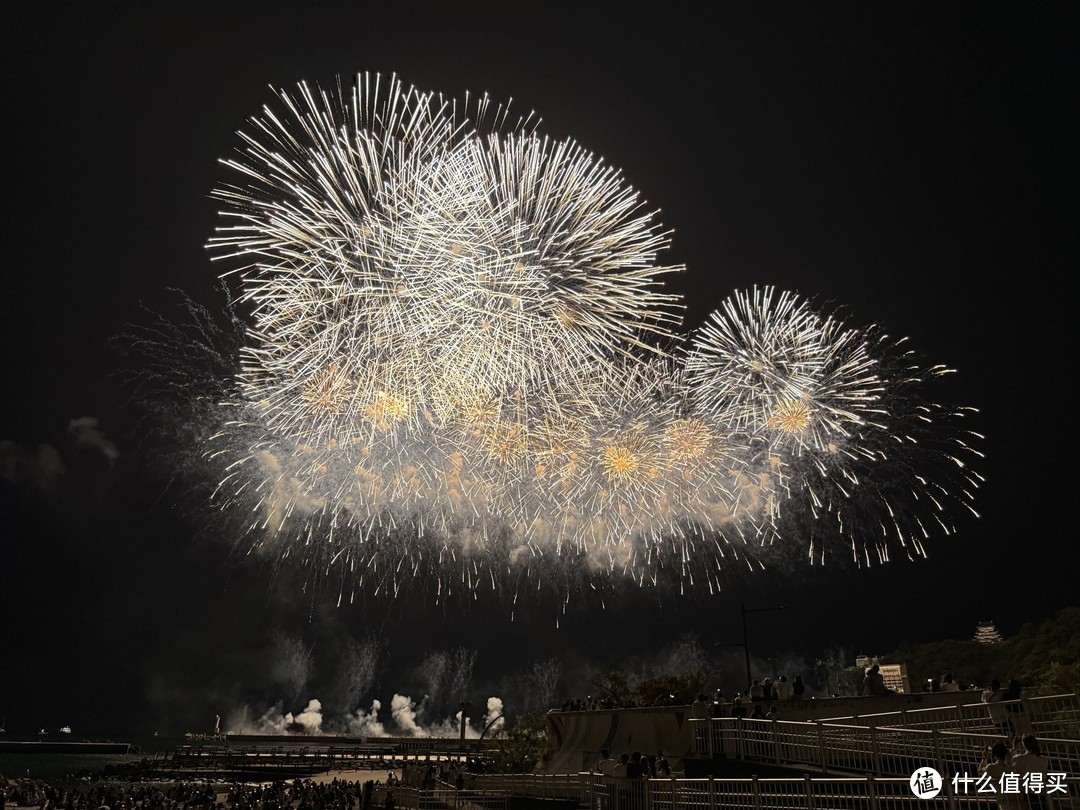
455, 367
836, 424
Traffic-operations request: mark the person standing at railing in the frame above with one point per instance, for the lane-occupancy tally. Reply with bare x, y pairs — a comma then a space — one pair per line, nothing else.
993, 768
737, 707
874, 682
1015, 711
635, 779
757, 691
782, 689
716, 708
620, 767
606, 764
798, 688
699, 709
1032, 768
663, 767
993, 697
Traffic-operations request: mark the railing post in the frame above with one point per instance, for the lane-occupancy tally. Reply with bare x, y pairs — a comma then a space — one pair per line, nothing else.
713, 802
871, 791
808, 789
755, 792
875, 751
939, 757
821, 747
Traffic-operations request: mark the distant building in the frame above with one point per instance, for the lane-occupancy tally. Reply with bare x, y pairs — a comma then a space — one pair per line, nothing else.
986, 633
896, 677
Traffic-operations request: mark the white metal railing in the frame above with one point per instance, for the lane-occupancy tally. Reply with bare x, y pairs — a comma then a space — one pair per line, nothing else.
882, 750
598, 792
440, 798
568, 786
852, 793
1050, 716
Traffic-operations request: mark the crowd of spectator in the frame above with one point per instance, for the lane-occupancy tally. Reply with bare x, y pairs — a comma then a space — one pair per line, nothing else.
633, 765
298, 794
764, 691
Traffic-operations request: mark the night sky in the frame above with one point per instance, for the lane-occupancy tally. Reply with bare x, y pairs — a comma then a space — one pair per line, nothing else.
916, 162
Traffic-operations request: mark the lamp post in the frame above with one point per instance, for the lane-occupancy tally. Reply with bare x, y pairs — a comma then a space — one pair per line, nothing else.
464, 705
745, 643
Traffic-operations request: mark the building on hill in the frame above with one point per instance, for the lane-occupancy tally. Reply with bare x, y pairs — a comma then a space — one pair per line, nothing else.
986, 633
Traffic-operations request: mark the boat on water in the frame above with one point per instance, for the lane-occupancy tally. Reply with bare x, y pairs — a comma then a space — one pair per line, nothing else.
65, 729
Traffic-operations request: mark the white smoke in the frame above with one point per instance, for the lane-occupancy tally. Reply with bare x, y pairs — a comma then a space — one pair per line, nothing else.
310, 719
494, 718
404, 714
403, 711
366, 724
40, 468
86, 433
246, 720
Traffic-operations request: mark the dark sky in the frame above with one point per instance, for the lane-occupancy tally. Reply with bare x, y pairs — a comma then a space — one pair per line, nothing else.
916, 162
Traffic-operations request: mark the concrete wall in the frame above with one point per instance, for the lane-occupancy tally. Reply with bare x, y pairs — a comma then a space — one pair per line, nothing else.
576, 738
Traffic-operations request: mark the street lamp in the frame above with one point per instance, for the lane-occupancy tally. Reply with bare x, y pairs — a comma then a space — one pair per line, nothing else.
745, 644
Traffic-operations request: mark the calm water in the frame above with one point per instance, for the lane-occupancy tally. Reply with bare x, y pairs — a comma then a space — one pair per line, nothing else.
56, 767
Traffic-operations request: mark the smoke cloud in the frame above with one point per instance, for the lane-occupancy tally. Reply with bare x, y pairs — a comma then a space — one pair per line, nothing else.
405, 721
39, 468
87, 434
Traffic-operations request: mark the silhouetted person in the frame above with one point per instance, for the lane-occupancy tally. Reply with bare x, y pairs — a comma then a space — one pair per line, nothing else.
621, 765
1028, 760
992, 696
798, 688
874, 683
607, 763
757, 691
994, 765
1014, 709
700, 708
737, 707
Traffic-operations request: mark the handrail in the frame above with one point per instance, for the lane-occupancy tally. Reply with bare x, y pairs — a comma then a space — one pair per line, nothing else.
856, 748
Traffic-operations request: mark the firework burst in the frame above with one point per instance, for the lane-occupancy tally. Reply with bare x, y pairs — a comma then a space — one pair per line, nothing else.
454, 370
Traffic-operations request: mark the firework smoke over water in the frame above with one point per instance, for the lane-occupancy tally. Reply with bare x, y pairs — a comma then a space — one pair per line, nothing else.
461, 367
404, 721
